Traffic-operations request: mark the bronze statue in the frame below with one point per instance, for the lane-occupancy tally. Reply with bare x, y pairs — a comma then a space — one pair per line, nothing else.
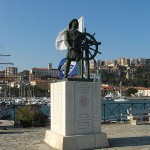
73, 40
77, 42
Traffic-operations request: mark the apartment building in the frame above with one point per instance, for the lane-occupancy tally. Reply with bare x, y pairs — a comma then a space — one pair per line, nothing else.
38, 73
111, 63
123, 61
143, 91
11, 72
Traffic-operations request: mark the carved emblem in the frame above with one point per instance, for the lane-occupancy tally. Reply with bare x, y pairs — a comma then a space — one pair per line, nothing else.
83, 101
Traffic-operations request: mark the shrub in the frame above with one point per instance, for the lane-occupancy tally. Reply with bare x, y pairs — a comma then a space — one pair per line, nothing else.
31, 115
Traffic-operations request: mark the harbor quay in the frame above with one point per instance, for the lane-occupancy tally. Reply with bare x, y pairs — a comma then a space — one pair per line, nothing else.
121, 136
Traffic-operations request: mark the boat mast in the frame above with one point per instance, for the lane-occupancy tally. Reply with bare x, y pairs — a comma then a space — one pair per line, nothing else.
120, 88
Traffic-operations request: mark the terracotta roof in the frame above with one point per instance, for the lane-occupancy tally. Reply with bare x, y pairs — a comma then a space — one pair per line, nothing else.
142, 88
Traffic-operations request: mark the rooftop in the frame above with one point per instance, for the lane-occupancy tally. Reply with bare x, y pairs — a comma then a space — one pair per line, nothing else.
121, 136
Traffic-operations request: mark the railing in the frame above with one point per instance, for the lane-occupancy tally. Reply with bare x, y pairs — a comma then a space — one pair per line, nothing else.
115, 112
33, 115
110, 112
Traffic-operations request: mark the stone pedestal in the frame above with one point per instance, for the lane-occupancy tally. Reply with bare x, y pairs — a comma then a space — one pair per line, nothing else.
75, 116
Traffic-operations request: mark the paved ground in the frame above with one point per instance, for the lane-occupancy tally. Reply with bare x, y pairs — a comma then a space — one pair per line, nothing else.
120, 136
127, 137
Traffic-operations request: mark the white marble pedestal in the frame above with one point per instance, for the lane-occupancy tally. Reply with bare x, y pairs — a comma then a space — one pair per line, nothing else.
75, 116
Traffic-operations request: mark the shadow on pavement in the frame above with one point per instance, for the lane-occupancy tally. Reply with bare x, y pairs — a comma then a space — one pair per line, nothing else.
129, 141
6, 132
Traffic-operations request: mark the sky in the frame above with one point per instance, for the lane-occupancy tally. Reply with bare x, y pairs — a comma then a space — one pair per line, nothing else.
28, 29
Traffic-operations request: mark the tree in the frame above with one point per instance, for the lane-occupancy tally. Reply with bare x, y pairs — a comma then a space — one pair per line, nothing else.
131, 91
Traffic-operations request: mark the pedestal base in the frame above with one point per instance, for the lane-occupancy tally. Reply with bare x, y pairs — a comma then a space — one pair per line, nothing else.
76, 142
75, 116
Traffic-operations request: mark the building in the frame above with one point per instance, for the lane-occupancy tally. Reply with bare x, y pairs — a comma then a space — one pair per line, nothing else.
11, 72
38, 73
54, 73
23, 76
110, 63
143, 91
92, 64
123, 62
141, 62
2, 74
44, 84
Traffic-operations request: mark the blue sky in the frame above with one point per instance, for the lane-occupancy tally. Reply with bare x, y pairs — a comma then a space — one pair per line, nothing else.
28, 29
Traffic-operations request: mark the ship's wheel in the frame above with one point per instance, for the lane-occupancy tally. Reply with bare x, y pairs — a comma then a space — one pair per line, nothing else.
89, 51
90, 47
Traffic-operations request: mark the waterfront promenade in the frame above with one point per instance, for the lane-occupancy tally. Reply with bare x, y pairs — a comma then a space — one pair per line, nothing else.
121, 137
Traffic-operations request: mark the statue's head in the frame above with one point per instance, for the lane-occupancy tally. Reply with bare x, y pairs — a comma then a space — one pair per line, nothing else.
74, 24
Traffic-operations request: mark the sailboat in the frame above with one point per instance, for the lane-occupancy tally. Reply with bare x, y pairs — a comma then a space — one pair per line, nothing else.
109, 97
120, 98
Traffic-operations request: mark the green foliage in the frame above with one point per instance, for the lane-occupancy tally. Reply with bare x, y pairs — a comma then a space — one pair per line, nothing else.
139, 76
131, 91
31, 115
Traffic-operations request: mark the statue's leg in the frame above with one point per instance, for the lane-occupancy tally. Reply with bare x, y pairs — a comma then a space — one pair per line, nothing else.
80, 68
80, 65
68, 62
87, 64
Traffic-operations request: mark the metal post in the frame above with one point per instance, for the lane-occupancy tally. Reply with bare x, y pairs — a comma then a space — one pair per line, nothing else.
104, 112
14, 115
82, 65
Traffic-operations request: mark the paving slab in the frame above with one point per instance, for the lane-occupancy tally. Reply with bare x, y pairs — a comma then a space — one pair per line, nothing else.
121, 136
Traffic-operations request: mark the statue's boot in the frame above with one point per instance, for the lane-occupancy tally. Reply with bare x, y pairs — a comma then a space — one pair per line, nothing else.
68, 62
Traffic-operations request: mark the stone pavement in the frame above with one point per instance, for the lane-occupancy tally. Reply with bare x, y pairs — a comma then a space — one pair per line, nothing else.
120, 136
127, 137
